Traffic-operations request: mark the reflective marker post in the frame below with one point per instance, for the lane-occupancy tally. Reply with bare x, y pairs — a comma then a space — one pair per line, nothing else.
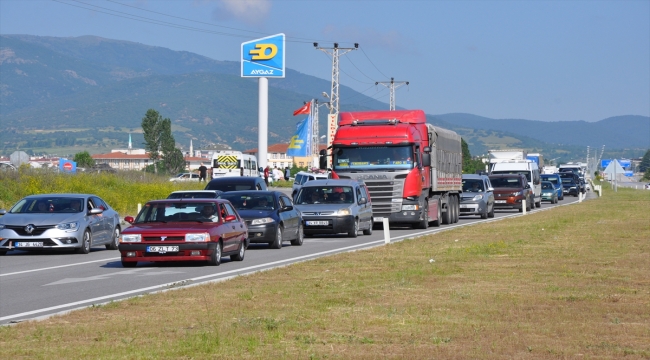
523, 207
386, 231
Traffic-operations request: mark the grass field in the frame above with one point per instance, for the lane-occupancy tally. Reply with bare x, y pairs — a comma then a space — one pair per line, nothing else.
569, 283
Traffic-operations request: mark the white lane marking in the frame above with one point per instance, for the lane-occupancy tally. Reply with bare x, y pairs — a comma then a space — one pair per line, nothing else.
105, 276
58, 267
299, 258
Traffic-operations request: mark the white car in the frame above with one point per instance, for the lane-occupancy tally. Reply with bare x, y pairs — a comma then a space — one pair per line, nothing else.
185, 177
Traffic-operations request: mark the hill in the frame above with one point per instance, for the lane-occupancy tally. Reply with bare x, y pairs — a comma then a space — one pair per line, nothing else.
88, 93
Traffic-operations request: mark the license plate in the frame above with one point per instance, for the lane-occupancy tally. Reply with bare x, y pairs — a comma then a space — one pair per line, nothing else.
378, 219
316, 223
466, 206
499, 201
28, 244
162, 249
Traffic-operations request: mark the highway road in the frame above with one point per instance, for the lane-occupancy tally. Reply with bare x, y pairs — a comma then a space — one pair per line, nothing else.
37, 285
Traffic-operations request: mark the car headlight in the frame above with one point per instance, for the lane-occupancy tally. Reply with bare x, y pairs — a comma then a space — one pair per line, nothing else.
517, 193
73, 226
410, 207
343, 212
2, 226
261, 221
477, 198
131, 238
203, 237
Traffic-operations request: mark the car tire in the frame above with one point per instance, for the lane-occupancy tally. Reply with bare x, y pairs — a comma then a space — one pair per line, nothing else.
485, 214
436, 222
538, 204
354, 232
491, 213
129, 264
240, 254
86, 240
115, 241
300, 237
424, 223
215, 258
3, 252
368, 231
277, 243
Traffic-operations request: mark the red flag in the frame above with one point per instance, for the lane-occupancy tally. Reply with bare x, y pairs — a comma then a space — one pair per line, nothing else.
303, 110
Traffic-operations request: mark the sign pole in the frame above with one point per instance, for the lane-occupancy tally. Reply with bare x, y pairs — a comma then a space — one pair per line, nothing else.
263, 121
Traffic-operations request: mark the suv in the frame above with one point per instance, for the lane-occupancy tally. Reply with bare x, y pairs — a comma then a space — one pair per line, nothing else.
477, 197
570, 183
302, 177
335, 206
510, 190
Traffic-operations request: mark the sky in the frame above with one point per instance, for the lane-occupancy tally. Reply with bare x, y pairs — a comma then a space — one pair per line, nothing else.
535, 60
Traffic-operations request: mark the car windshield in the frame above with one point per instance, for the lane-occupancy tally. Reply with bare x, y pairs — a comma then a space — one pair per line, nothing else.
505, 182
514, 172
45, 205
250, 201
373, 158
230, 187
326, 195
550, 179
177, 211
473, 185
547, 185
192, 195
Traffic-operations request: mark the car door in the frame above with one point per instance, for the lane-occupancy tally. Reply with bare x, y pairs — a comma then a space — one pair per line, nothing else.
365, 213
487, 185
289, 217
236, 229
97, 222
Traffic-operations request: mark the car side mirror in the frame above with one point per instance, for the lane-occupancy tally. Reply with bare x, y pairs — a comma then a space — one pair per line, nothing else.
363, 201
129, 219
490, 189
230, 218
95, 211
3, 211
287, 208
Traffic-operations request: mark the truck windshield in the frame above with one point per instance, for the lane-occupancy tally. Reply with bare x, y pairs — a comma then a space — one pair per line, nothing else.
373, 158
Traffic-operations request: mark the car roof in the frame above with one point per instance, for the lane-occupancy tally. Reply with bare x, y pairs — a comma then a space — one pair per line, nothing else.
473, 176
59, 195
195, 191
202, 200
332, 182
254, 192
236, 180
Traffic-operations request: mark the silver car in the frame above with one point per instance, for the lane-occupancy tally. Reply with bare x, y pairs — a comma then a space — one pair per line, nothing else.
335, 206
477, 197
59, 221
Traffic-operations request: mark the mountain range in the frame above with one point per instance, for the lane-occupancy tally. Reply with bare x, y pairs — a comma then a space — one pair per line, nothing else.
88, 93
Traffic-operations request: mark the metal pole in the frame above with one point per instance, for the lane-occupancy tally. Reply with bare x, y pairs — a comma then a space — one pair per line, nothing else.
263, 121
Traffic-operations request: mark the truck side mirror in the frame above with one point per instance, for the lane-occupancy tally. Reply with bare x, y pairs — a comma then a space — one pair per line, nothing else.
426, 159
322, 159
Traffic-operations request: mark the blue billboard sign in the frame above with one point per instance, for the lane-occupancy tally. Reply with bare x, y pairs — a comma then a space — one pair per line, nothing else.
263, 57
604, 163
625, 163
629, 173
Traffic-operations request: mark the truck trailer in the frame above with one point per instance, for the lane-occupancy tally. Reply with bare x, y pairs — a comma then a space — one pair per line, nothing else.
413, 170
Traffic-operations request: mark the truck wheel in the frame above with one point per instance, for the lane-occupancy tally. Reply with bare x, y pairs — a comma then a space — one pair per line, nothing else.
446, 216
424, 223
436, 222
456, 209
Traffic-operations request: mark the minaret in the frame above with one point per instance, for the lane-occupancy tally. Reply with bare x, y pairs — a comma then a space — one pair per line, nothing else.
130, 143
191, 148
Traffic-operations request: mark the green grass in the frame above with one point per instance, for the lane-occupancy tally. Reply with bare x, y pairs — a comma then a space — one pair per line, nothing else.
567, 283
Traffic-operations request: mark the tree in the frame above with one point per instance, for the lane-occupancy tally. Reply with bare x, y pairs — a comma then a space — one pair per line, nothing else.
645, 162
83, 159
470, 165
174, 161
156, 131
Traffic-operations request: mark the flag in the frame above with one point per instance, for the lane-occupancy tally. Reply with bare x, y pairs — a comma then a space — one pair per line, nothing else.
303, 110
300, 144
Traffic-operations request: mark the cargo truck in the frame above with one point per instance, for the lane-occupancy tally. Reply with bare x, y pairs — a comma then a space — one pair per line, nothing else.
413, 170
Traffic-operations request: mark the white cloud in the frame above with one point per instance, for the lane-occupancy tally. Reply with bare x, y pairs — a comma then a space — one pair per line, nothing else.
251, 12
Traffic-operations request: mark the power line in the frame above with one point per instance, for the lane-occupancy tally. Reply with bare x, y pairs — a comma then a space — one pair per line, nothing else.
373, 64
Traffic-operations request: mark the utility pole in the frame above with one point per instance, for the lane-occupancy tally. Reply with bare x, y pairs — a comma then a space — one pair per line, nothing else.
587, 170
391, 85
332, 119
601, 157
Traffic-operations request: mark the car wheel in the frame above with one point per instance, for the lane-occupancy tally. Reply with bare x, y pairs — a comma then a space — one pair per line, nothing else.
215, 258
354, 232
368, 231
3, 252
277, 243
436, 222
85, 243
538, 204
116, 239
424, 223
491, 213
484, 215
129, 264
240, 254
300, 238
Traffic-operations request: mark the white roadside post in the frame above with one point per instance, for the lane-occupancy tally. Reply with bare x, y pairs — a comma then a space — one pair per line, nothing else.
139, 207
523, 207
386, 230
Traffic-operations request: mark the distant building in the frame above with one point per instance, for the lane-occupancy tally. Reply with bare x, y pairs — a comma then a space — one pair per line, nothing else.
276, 156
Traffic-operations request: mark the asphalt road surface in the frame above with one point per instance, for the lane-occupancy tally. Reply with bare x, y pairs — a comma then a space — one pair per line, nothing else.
38, 285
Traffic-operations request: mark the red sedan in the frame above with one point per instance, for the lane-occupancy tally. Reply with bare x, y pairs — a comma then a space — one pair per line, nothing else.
184, 230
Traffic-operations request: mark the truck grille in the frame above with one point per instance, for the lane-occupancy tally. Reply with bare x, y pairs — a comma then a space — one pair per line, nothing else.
382, 194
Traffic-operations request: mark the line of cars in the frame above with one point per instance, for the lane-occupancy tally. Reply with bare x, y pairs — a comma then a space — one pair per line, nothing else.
204, 225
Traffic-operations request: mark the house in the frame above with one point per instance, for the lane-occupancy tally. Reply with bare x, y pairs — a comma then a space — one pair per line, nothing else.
277, 157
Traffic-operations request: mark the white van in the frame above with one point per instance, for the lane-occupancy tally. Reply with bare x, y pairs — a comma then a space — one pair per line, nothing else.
526, 167
233, 163
302, 177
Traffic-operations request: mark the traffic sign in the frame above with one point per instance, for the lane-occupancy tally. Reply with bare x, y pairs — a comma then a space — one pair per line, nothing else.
263, 57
